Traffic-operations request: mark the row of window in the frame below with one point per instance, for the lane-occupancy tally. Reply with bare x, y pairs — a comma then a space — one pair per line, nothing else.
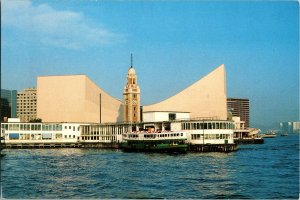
72, 127
207, 125
104, 130
170, 135
32, 127
103, 138
37, 136
210, 136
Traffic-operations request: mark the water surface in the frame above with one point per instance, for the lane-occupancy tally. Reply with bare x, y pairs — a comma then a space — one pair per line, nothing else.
267, 171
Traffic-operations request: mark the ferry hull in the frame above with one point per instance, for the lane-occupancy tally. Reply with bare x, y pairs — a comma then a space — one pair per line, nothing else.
158, 149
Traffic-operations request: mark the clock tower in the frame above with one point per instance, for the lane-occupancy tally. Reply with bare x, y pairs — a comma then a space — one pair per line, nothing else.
131, 94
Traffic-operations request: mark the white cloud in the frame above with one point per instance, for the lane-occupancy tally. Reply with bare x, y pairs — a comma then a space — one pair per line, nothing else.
67, 29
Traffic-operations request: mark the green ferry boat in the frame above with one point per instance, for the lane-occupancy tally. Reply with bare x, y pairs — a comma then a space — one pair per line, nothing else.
162, 142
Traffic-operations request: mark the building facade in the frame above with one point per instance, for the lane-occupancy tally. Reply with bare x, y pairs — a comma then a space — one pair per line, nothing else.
26, 104
131, 95
8, 106
75, 99
35, 133
239, 108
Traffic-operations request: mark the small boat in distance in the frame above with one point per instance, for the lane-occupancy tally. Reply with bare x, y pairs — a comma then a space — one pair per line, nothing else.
284, 134
163, 142
270, 134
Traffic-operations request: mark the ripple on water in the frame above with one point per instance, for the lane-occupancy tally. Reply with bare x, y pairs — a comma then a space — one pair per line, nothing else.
268, 170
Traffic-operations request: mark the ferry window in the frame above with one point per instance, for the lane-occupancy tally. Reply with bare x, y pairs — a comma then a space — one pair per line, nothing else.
205, 125
181, 134
66, 127
66, 136
217, 136
198, 126
73, 128
213, 126
69, 127
73, 136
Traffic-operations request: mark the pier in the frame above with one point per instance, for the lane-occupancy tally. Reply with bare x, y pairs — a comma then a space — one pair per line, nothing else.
249, 141
114, 145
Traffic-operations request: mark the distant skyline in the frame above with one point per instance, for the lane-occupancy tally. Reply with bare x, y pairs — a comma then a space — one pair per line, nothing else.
174, 44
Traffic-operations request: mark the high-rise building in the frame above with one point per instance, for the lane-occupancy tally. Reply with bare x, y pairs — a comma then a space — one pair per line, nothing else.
26, 104
8, 108
239, 108
131, 94
289, 127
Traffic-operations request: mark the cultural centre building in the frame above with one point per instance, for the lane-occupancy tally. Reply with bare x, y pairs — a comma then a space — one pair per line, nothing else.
77, 99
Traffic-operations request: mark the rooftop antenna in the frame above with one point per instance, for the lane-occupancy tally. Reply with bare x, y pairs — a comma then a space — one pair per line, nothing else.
131, 60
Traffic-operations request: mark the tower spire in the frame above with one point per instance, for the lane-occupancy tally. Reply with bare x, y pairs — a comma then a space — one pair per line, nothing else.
131, 60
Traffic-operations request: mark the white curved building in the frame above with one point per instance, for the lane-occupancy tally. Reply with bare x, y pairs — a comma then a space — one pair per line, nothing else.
205, 98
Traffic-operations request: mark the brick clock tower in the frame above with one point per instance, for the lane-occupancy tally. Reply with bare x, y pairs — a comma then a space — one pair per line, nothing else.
131, 94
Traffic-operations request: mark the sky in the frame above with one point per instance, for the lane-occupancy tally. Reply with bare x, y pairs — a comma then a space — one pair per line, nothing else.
174, 44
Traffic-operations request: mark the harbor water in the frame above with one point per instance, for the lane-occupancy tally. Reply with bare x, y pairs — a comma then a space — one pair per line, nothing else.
268, 171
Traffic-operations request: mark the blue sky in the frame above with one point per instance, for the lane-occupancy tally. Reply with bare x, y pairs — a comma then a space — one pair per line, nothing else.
174, 43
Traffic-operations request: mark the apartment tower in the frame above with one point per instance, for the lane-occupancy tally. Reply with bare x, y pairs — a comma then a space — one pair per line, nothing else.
239, 108
26, 104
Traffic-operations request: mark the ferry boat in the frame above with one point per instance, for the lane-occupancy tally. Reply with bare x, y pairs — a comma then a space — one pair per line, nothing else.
163, 142
271, 134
